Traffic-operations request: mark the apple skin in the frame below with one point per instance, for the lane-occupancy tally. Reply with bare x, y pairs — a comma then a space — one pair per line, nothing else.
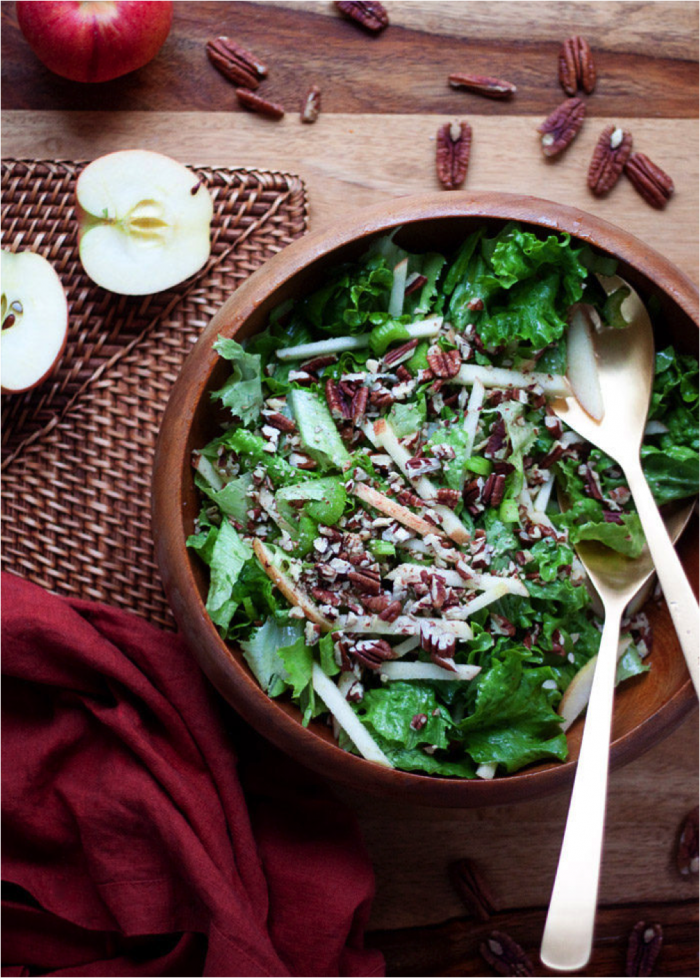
97, 40
29, 270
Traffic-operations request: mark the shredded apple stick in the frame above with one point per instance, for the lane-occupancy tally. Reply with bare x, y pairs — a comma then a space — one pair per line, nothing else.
289, 589
402, 514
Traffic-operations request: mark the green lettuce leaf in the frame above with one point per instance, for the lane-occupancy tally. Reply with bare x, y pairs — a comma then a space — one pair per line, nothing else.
242, 392
226, 553
514, 721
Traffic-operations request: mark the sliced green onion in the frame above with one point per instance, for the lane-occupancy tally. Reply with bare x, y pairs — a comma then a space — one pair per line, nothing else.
479, 465
382, 548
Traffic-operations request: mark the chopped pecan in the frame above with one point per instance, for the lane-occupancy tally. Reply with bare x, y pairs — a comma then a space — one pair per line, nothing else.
400, 353
403, 373
505, 956
562, 126
419, 465
609, 157
279, 421
366, 580
444, 363
414, 284
643, 948
649, 180
408, 498
372, 652
418, 721
454, 142
576, 66
448, 497
358, 405
500, 625
302, 461
312, 105
375, 603
482, 85
258, 104
439, 644
370, 14
556, 452
381, 397
318, 363
472, 889
337, 403
326, 597
497, 437
391, 612
687, 850
235, 62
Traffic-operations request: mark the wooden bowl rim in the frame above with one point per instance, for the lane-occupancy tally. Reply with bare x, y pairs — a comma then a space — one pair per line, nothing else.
233, 679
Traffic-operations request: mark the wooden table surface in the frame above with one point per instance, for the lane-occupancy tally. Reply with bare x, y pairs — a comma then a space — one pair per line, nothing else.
383, 100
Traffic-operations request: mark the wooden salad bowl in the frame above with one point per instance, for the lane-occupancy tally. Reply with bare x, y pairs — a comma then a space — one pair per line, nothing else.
647, 708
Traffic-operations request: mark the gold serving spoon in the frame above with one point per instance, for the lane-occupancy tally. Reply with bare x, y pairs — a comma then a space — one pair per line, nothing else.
626, 367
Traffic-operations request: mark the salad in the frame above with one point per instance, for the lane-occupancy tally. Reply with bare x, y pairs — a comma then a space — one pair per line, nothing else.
380, 515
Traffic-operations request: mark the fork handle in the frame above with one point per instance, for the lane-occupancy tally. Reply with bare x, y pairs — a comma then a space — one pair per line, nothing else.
568, 932
680, 599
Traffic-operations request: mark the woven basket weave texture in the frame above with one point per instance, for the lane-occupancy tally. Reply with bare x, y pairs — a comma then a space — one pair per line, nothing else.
78, 450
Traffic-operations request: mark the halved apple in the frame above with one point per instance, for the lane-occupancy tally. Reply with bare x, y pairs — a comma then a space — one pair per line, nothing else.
34, 314
144, 222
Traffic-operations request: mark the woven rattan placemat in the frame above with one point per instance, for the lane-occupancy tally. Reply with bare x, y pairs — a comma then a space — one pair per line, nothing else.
78, 450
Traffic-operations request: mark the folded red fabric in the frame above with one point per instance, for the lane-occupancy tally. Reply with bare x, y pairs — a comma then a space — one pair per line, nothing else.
137, 839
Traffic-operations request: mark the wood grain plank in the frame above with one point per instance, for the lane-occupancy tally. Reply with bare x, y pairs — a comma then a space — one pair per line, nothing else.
453, 947
516, 847
403, 70
348, 161
660, 30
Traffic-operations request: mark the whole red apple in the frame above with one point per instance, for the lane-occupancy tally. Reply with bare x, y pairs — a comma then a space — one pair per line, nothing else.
95, 40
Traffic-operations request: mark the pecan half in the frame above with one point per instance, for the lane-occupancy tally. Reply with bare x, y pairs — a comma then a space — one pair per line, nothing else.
370, 14
609, 157
504, 955
235, 62
482, 85
576, 66
493, 490
444, 363
372, 652
454, 141
687, 850
366, 581
649, 180
312, 105
562, 126
258, 104
643, 948
472, 889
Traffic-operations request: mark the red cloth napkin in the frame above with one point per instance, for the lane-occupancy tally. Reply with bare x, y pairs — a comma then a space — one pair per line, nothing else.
135, 842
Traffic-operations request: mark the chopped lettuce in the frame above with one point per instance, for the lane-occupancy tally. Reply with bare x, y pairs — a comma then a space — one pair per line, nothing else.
500, 300
242, 392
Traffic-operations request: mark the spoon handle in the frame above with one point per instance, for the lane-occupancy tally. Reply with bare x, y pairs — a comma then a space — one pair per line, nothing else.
568, 932
680, 599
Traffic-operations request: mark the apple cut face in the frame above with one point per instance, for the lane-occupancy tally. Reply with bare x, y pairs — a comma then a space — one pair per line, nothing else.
34, 321
144, 222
